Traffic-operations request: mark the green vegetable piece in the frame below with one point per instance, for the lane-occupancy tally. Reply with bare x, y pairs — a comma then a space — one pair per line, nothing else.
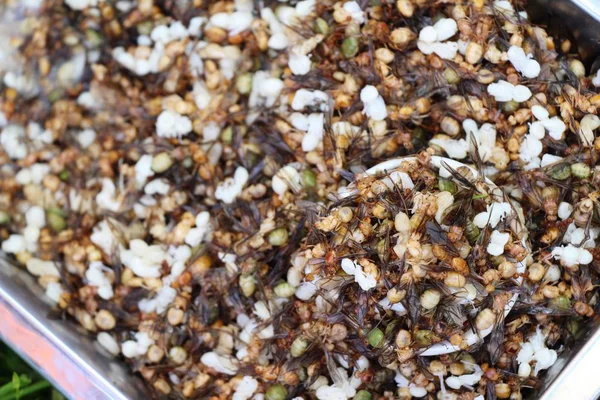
580, 170
561, 172
299, 346
278, 237
309, 179
376, 338
276, 392
350, 47
561, 303
363, 395
447, 185
321, 26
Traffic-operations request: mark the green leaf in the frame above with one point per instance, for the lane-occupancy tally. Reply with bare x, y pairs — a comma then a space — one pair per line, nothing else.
36, 387
16, 382
5, 389
25, 380
56, 395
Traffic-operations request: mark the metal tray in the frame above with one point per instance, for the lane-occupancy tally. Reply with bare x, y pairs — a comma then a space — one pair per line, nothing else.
60, 350
68, 357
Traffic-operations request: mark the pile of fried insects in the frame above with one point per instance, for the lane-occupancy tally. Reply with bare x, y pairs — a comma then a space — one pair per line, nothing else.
200, 185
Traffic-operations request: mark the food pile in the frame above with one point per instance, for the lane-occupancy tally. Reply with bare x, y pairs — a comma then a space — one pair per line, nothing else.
305, 199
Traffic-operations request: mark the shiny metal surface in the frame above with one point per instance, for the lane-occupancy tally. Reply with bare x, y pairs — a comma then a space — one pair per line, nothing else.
577, 20
66, 355
575, 374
